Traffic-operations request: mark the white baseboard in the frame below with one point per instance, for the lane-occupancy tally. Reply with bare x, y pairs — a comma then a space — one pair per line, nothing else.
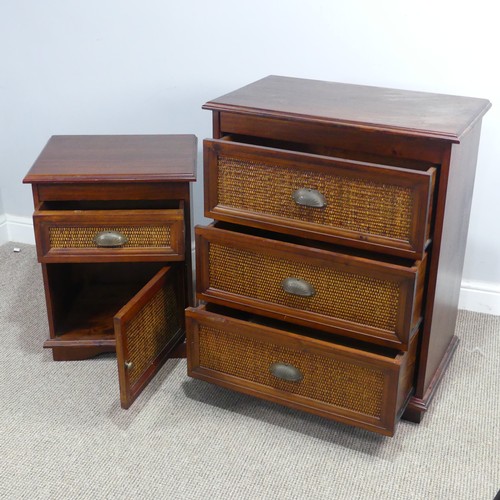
15, 228
4, 232
480, 296
475, 296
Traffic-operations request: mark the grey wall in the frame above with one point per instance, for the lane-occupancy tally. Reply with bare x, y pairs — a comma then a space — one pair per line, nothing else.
130, 66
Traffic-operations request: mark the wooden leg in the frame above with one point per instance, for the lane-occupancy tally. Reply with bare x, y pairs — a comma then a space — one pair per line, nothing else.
418, 406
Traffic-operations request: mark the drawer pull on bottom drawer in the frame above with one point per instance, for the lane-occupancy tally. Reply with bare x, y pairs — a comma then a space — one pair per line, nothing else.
309, 198
110, 239
297, 286
286, 372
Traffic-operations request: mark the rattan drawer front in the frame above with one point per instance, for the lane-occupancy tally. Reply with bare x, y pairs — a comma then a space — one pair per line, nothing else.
369, 206
351, 385
132, 234
146, 330
367, 299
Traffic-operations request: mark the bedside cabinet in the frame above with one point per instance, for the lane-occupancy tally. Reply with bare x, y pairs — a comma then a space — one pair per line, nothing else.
113, 235
332, 272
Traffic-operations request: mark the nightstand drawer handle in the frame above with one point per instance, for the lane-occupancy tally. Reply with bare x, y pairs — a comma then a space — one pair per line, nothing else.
309, 198
110, 239
286, 372
296, 286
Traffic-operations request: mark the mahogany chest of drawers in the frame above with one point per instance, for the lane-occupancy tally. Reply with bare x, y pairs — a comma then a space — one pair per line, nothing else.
332, 272
113, 235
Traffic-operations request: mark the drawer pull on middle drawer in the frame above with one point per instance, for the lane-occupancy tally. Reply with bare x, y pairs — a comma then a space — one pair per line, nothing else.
110, 239
309, 198
296, 286
286, 372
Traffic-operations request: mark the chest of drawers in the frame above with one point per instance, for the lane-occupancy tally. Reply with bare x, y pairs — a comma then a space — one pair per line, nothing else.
113, 234
332, 271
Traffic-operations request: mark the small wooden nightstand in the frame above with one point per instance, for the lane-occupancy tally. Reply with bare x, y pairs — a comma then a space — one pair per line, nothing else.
113, 235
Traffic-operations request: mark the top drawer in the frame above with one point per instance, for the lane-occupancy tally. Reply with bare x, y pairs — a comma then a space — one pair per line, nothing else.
374, 207
109, 235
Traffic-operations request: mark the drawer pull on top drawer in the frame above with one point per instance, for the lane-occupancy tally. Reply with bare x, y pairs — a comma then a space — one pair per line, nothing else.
296, 286
110, 239
309, 198
286, 372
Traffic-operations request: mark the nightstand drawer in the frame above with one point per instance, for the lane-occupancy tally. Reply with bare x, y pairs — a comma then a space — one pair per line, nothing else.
375, 300
350, 383
374, 207
109, 235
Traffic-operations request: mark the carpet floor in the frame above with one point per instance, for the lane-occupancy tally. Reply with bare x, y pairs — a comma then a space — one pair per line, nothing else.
64, 435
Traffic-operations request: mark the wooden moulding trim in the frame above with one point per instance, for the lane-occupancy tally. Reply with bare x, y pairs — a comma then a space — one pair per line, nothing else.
380, 145
64, 191
64, 179
358, 126
299, 403
50, 343
422, 404
89, 255
368, 127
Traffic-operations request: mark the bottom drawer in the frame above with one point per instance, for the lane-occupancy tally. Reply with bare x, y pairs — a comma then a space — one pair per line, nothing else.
344, 380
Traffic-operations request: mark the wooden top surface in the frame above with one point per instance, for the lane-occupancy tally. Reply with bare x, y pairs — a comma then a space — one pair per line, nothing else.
398, 111
116, 158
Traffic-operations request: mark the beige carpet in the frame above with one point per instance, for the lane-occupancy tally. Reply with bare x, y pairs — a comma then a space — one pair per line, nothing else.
63, 434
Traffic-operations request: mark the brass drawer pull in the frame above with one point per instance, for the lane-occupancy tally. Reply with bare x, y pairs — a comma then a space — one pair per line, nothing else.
296, 286
110, 239
129, 365
286, 372
309, 198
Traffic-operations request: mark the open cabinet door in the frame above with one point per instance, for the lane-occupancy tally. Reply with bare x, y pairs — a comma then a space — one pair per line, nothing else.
147, 329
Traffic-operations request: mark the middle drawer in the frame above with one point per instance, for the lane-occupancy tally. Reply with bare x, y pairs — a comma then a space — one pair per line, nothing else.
351, 294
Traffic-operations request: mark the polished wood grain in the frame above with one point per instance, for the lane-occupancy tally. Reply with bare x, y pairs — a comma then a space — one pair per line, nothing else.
419, 404
404, 112
351, 142
454, 199
132, 191
115, 158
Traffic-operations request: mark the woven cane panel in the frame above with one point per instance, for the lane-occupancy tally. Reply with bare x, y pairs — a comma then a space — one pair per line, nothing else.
151, 329
347, 296
360, 205
332, 381
83, 237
